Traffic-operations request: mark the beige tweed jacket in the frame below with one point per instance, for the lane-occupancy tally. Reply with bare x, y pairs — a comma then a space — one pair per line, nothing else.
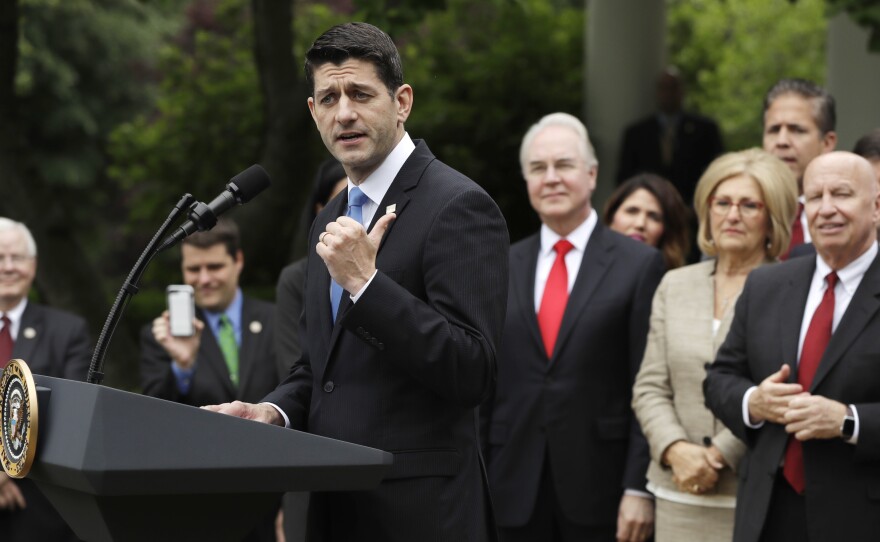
668, 392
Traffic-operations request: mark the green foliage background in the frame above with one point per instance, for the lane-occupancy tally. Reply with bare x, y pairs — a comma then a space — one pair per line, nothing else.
732, 52
123, 105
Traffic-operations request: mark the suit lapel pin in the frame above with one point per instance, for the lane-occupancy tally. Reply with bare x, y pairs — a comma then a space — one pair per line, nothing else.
255, 327
29, 333
390, 209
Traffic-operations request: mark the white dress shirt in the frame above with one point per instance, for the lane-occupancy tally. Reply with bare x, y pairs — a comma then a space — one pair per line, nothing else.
376, 185
546, 255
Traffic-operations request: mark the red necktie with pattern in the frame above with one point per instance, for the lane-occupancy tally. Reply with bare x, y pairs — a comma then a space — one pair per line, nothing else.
5, 342
555, 297
817, 339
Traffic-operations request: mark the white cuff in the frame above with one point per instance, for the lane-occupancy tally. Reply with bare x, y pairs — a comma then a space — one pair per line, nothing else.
283, 415
639, 493
855, 437
358, 295
746, 419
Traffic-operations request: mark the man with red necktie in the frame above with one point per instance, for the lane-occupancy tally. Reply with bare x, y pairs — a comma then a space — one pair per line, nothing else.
53, 343
565, 455
797, 378
799, 119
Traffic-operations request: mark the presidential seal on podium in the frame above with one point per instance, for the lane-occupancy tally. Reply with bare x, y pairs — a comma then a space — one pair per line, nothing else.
19, 418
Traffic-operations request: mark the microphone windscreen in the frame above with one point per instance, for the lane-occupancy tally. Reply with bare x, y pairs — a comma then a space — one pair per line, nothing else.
249, 183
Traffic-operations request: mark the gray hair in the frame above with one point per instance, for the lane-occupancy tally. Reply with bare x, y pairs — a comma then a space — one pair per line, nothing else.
7, 224
566, 121
824, 111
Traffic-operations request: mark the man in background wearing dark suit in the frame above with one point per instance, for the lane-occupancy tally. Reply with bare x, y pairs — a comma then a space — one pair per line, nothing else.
567, 460
234, 359
404, 305
797, 380
799, 120
672, 143
52, 343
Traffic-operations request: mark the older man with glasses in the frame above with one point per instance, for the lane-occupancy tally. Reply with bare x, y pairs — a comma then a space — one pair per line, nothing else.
53, 343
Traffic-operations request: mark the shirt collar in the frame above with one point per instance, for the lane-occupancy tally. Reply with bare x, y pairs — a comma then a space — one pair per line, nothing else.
377, 183
17, 311
233, 312
578, 237
855, 270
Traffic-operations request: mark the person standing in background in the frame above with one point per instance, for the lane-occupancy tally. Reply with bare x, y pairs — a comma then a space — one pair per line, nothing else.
796, 379
231, 355
53, 343
649, 209
745, 204
799, 120
566, 458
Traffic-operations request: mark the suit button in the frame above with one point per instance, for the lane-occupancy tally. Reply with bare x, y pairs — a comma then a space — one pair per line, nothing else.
380, 346
548, 380
328, 386
707, 365
360, 331
707, 441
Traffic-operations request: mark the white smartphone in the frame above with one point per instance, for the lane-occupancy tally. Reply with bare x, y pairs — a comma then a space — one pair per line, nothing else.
181, 309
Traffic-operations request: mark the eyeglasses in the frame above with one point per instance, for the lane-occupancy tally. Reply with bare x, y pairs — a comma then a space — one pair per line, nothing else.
747, 208
14, 259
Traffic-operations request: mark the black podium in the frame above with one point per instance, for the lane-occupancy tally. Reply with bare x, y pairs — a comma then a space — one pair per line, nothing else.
122, 466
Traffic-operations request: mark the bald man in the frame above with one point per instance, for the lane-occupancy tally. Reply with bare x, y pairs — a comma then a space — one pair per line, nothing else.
797, 378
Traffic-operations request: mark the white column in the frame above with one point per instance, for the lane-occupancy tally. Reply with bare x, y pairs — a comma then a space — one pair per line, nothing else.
853, 80
625, 52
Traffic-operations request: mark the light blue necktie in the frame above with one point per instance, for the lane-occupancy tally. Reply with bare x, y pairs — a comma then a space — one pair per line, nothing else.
356, 201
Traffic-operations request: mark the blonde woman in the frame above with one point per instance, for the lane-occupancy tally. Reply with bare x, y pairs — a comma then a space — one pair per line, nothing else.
745, 204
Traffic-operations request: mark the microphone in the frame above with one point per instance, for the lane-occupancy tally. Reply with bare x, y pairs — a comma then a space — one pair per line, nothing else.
202, 217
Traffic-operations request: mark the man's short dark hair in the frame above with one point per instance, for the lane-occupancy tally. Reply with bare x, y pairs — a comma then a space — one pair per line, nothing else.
225, 233
359, 41
823, 102
868, 146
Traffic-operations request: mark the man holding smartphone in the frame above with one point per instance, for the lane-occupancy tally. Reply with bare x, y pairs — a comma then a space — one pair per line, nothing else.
234, 358
230, 351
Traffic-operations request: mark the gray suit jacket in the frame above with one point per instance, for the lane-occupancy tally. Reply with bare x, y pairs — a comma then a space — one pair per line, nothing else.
668, 394
842, 480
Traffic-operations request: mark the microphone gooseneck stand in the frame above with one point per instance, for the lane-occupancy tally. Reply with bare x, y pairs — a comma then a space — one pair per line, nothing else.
129, 288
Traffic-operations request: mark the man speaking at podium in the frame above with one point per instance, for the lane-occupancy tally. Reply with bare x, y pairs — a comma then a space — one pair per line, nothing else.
405, 299
52, 343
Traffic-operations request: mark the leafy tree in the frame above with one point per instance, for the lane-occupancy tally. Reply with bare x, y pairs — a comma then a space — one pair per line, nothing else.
61, 92
482, 73
731, 52
213, 119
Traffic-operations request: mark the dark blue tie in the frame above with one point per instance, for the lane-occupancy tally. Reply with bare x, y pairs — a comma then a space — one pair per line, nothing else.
356, 201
